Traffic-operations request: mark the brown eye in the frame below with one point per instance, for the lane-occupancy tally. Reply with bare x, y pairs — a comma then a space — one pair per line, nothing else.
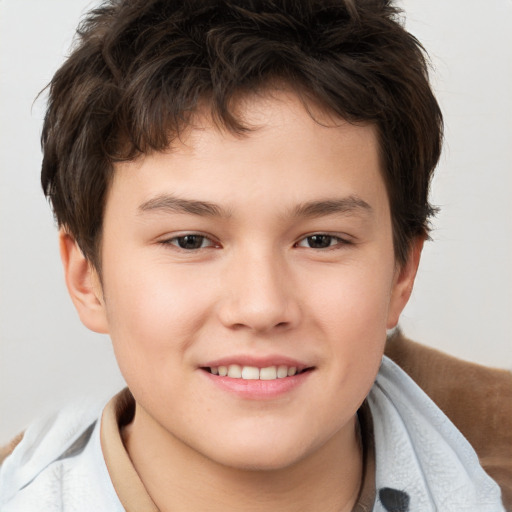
191, 242
321, 241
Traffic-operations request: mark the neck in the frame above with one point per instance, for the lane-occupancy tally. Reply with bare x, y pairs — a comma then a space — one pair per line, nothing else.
180, 479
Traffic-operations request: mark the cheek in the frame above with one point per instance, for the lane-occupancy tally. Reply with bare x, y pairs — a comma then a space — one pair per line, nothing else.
352, 314
153, 316
353, 300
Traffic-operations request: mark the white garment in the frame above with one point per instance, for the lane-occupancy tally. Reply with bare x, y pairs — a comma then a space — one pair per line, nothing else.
421, 459
59, 466
419, 451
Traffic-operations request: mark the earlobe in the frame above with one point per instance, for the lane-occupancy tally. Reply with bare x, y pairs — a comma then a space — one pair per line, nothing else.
404, 282
83, 284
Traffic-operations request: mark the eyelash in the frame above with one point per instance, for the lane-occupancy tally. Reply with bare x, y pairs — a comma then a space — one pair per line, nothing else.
179, 241
337, 239
175, 241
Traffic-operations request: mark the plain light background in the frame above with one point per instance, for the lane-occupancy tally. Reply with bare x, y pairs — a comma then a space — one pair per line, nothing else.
462, 302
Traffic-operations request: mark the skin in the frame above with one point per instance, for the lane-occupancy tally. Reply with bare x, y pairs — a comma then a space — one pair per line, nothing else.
257, 286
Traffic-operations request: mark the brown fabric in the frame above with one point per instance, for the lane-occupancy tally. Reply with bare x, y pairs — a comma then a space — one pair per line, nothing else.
6, 450
367, 493
127, 484
477, 399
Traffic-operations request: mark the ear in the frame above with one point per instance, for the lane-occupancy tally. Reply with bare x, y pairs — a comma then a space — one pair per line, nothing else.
83, 284
403, 282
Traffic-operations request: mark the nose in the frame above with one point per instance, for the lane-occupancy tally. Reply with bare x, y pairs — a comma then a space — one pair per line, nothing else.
258, 294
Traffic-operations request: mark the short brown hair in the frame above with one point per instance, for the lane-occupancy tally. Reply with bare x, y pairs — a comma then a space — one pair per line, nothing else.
141, 68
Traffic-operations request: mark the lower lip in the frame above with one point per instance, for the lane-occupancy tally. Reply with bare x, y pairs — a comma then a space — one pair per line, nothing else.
252, 389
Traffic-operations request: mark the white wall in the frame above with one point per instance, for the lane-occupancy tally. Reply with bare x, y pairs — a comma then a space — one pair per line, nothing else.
463, 298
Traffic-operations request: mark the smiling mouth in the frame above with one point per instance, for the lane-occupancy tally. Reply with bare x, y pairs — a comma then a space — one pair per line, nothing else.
236, 371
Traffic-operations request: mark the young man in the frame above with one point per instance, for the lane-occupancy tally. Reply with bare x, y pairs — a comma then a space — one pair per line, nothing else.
242, 191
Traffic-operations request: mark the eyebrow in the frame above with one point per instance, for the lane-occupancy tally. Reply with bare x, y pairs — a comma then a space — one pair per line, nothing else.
172, 204
349, 205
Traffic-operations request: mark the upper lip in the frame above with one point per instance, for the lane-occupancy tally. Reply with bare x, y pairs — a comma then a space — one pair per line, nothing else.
257, 362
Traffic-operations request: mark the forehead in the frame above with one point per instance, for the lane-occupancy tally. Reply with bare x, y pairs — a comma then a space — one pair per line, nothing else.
288, 147
277, 108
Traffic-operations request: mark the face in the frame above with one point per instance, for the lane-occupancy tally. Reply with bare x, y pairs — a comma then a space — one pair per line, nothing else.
267, 256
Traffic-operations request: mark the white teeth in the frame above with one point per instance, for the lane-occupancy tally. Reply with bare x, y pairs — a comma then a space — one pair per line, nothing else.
250, 373
236, 371
269, 373
282, 371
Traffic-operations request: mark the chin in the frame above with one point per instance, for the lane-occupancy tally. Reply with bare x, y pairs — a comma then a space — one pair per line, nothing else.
270, 455
261, 462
